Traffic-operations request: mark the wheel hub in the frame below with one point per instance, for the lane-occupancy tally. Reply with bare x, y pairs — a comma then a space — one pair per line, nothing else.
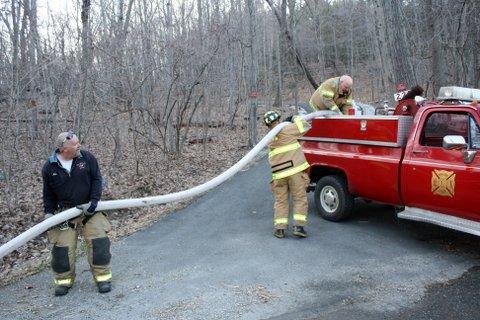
329, 199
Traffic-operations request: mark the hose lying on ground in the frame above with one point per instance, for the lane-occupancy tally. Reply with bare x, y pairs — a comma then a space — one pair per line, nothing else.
68, 214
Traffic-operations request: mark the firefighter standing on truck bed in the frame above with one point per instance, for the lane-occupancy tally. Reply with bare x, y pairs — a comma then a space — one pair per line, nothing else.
288, 165
71, 177
334, 94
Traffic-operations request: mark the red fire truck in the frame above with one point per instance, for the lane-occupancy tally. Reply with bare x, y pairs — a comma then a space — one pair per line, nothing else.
423, 160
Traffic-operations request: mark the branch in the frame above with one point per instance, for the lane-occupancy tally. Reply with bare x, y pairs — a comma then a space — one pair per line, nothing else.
289, 38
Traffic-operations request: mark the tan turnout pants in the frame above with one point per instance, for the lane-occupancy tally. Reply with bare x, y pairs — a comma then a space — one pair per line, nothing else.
65, 245
296, 185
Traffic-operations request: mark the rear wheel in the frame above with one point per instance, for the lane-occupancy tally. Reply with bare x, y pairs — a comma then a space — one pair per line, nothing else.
332, 199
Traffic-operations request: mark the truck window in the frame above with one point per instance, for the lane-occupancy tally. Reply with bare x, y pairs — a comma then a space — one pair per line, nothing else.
441, 124
475, 134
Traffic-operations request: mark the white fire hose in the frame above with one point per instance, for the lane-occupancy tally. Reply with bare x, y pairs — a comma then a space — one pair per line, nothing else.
68, 214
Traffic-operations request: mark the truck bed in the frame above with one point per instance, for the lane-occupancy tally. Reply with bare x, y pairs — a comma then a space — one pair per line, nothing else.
368, 150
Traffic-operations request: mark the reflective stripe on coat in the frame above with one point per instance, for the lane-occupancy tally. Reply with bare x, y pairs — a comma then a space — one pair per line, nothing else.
285, 153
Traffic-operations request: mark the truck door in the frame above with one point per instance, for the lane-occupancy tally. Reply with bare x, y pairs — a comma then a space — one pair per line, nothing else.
437, 179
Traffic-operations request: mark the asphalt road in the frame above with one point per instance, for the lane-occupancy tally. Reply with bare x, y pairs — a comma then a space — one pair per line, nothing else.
218, 259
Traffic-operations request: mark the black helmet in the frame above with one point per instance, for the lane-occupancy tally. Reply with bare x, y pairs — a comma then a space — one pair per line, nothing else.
270, 116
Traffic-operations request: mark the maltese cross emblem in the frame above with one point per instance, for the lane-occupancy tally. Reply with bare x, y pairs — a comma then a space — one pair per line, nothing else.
443, 183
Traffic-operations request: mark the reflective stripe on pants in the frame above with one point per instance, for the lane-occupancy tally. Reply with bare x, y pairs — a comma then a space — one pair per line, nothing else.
103, 277
64, 282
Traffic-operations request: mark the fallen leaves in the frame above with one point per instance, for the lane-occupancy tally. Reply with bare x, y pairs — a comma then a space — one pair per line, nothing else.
154, 174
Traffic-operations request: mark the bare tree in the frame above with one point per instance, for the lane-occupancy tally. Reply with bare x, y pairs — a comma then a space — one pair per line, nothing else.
252, 115
85, 66
283, 26
381, 45
434, 26
398, 45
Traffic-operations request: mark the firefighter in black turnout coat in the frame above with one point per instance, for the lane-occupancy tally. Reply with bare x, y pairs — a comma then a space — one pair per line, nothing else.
71, 178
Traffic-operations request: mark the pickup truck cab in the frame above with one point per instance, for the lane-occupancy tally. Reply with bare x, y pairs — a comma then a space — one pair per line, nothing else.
423, 160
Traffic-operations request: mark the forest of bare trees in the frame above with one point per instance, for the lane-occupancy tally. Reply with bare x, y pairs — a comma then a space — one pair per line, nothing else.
142, 75
166, 63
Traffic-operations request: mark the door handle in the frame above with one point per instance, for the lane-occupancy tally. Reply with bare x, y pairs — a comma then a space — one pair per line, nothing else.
419, 151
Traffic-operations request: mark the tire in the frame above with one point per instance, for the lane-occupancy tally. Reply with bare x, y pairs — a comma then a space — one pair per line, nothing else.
332, 199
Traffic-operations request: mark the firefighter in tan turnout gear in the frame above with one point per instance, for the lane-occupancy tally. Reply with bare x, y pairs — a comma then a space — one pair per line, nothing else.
71, 177
334, 94
288, 177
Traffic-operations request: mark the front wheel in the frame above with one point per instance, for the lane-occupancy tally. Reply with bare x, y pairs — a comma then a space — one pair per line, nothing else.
332, 199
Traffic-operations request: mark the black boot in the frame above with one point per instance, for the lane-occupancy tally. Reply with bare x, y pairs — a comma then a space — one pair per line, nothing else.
104, 286
61, 290
279, 233
299, 232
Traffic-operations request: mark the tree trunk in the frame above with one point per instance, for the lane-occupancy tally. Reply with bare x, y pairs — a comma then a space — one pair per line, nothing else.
381, 46
438, 76
23, 83
278, 102
351, 45
34, 53
170, 66
252, 115
15, 39
398, 45
85, 66
292, 46
476, 47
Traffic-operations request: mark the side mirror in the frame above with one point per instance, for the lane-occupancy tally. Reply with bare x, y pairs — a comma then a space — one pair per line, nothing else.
454, 142
469, 155
458, 142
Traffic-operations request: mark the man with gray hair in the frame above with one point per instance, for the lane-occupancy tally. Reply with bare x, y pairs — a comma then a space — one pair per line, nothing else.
334, 94
71, 178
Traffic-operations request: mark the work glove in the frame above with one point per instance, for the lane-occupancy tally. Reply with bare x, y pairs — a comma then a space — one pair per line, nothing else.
88, 208
336, 109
